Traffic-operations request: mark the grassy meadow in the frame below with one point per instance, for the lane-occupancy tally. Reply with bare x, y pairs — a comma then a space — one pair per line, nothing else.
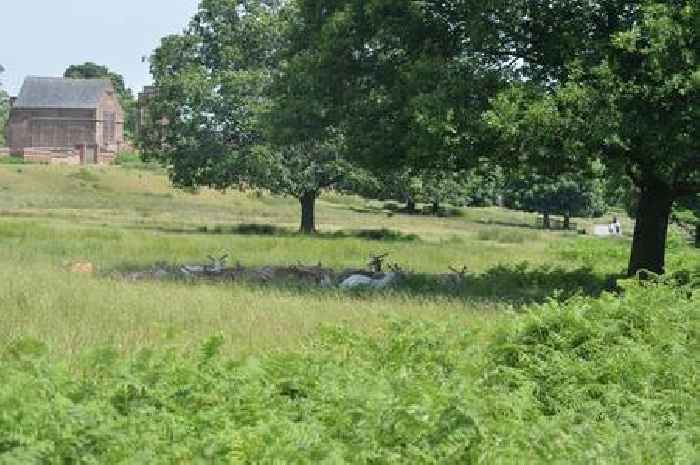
507, 369
115, 218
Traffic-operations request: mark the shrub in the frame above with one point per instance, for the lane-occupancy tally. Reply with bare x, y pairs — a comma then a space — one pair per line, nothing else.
133, 160
616, 375
607, 381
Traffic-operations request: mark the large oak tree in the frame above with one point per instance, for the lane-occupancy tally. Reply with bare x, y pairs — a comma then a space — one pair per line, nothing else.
562, 84
241, 107
630, 99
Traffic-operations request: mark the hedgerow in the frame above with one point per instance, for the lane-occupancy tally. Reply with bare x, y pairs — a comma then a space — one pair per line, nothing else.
607, 380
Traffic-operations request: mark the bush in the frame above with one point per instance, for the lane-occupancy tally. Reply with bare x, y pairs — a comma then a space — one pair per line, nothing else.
615, 376
85, 175
606, 381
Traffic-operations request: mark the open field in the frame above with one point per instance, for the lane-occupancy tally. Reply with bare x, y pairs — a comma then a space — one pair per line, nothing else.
104, 370
120, 219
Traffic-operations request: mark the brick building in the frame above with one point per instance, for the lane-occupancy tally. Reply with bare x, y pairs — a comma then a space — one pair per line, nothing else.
56, 115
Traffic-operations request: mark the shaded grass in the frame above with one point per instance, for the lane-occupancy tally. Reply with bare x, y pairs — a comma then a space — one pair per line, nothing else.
382, 234
515, 285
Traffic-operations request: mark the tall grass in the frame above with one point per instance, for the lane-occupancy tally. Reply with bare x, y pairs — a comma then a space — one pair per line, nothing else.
443, 369
72, 313
52, 217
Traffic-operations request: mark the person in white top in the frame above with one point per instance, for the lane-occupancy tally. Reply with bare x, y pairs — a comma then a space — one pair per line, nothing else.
616, 227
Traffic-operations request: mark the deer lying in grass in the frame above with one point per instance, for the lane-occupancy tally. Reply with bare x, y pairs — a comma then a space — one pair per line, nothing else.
359, 280
375, 264
456, 277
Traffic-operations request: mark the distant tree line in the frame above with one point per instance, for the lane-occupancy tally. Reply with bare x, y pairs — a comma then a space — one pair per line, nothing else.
567, 101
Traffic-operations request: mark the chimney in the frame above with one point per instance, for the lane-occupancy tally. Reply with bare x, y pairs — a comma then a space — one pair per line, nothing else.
12, 101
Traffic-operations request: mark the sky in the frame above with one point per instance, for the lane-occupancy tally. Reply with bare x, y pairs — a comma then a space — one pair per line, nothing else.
44, 37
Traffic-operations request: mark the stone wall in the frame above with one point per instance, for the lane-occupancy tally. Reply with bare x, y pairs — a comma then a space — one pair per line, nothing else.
52, 156
63, 156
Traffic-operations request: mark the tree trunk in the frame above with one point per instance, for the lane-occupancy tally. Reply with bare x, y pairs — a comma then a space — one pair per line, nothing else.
546, 223
308, 217
567, 221
649, 245
697, 235
410, 205
436, 208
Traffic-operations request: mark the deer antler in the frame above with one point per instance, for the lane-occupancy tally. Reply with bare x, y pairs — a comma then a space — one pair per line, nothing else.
461, 273
396, 268
217, 264
377, 261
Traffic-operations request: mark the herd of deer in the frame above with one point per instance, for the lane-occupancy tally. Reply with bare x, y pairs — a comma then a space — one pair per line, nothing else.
377, 274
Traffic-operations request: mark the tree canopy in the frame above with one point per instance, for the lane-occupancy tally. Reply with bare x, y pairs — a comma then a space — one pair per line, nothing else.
635, 108
241, 108
557, 88
562, 195
553, 85
91, 70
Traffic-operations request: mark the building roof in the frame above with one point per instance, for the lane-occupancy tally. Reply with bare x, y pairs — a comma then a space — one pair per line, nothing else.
47, 92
